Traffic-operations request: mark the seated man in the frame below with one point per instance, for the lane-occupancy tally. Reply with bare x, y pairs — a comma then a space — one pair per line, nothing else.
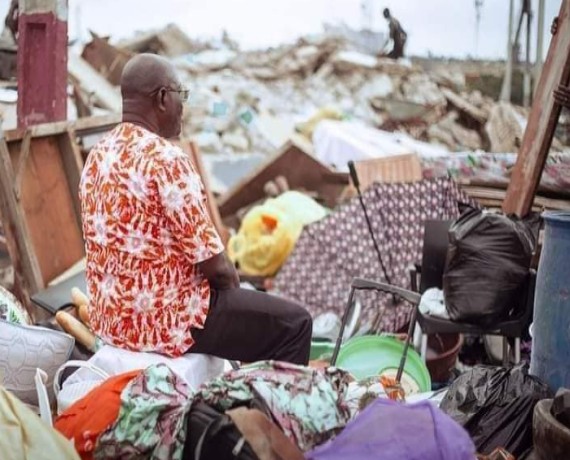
157, 274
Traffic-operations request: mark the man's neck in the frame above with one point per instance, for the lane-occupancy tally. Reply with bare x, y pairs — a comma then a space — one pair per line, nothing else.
139, 121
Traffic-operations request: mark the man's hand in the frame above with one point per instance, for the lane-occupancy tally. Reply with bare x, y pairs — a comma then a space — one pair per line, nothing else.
554, 26
562, 96
220, 272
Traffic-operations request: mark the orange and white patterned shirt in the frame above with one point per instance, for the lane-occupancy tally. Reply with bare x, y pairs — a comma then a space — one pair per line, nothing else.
146, 226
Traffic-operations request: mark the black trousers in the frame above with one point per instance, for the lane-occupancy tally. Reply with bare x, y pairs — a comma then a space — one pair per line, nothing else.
397, 52
246, 325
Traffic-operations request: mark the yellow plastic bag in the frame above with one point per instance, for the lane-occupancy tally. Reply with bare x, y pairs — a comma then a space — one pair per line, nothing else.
269, 232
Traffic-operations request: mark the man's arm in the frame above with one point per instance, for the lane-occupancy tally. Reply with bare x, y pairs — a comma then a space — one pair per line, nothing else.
562, 96
220, 272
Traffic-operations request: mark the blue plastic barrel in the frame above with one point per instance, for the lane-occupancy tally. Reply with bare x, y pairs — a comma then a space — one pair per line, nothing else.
550, 358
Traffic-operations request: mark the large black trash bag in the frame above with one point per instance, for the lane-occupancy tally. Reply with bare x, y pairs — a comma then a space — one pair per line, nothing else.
487, 265
495, 405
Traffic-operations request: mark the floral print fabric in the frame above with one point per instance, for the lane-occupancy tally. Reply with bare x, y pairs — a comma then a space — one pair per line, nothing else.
152, 418
308, 404
146, 227
332, 252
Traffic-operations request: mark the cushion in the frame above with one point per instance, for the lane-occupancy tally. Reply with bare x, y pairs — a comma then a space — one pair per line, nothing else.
11, 309
25, 348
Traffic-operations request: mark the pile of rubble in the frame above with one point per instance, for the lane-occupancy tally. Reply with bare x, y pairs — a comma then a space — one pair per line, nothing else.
252, 101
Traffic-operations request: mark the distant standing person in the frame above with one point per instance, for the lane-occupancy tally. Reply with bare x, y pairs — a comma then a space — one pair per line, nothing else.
397, 35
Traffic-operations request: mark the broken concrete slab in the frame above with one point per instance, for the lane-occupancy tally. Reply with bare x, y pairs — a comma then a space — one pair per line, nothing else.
93, 83
505, 128
463, 105
170, 41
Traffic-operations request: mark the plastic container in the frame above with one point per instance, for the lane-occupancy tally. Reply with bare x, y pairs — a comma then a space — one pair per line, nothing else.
442, 355
551, 438
551, 326
373, 355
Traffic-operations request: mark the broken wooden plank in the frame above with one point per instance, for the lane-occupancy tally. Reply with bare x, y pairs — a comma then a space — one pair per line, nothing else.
494, 197
22, 253
393, 169
81, 127
72, 162
107, 59
193, 151
46, 201
542, 122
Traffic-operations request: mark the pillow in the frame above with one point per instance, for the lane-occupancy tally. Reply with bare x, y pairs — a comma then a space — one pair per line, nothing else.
25, 348
12, 310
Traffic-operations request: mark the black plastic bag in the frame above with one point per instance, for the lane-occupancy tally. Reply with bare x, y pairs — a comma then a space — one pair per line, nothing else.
495, 405
487, 265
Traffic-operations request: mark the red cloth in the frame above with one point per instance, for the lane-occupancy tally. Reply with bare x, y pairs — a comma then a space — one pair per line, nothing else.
87, 418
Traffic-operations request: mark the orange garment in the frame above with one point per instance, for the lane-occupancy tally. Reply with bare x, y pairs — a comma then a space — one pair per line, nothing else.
146, 227
87, 418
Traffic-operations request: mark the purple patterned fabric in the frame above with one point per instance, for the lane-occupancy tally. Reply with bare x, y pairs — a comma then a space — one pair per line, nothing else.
331, 252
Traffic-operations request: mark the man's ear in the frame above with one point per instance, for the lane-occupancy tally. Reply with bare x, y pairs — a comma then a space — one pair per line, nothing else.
161, 99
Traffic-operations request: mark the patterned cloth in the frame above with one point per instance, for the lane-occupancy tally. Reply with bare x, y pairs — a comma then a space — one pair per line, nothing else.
146, 227
308, 404
152, 418
338, 248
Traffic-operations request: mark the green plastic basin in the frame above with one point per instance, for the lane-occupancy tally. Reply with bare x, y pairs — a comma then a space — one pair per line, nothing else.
373, 355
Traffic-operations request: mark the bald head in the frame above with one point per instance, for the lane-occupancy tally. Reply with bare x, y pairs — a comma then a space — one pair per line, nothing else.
149, 86
146, 73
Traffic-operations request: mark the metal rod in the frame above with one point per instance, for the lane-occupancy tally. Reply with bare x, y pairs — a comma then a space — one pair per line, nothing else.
356, 182
411, 329
539, 43
527, 70
508, 80
342, 326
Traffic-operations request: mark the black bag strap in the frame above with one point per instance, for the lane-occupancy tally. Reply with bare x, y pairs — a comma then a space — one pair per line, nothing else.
212, 429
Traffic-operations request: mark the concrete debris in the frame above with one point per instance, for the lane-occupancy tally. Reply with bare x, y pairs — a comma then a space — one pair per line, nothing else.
93, 83
170, 41
505, 128
459, 136
252, 101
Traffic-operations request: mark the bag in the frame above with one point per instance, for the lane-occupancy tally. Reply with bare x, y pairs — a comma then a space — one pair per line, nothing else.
487, 265
495, 405
213, 435
243, 433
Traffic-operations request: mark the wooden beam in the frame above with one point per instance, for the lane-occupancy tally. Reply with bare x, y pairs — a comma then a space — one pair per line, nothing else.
542, 122
192, 150
20, 247
72, 165
21, 165
81, 126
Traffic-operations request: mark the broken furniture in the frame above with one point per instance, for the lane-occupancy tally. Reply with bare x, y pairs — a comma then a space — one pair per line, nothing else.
40, 170
431, 273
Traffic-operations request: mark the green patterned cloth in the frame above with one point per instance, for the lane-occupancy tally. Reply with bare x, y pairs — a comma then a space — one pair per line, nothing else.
151, 421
